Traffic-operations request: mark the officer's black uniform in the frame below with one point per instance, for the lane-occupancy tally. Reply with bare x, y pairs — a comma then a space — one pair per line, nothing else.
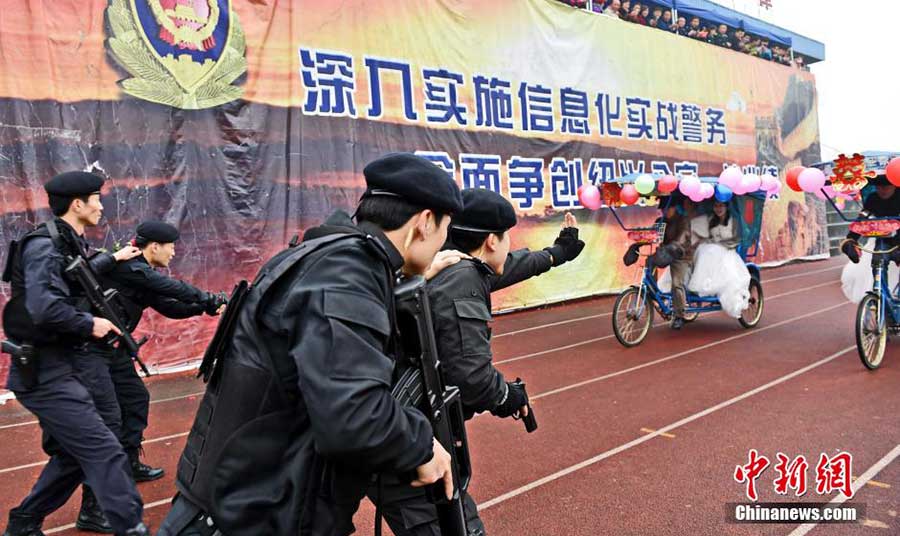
72, 396
874, 207
460, 298
140, 286
298, 413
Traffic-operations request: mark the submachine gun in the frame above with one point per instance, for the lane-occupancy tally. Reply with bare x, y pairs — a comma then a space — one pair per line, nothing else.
103, 303
422, 385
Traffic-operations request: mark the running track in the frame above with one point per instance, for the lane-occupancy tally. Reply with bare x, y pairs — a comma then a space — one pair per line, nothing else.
631, 442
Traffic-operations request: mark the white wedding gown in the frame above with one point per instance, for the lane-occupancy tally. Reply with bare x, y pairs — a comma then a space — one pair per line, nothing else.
856, 279
717, 271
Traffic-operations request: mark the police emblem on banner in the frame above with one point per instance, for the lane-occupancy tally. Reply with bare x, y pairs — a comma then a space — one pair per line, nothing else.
181, 53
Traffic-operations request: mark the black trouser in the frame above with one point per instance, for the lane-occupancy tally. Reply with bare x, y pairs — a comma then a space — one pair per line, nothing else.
133, 399
79, 412
409, 513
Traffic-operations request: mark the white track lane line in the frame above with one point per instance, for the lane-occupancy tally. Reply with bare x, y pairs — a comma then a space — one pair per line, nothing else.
858, 483
668, 428
611, 335
158, 401
600, 315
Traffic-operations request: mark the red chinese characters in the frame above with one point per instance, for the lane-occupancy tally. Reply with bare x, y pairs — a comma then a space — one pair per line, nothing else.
750, 472
833, 474
791, 475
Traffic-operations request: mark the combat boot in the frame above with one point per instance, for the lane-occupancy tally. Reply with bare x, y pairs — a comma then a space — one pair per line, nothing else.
139, 530
142, 472
23, 525
91, 517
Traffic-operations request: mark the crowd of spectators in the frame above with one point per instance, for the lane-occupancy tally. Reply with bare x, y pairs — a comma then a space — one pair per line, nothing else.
649, 14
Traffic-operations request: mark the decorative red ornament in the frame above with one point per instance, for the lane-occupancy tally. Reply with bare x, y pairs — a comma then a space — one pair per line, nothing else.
849, 174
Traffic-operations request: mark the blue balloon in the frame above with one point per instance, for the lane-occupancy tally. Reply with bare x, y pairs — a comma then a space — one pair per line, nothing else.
723, 193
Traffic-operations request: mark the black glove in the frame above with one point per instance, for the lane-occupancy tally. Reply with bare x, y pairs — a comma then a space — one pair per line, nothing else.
631, 256
213, 301
516, 397
566, 246
849, 249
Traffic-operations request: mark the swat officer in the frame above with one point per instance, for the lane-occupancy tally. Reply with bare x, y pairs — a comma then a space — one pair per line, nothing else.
461, 306
70, 393
298, 413
140, 286
884, 203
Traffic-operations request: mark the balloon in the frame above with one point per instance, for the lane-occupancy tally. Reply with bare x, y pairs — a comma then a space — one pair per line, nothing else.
644, 184
791, 178
811, 179
689, 185
629, 194
707, 190
696, 198
730, 176
589, 195
768, 182
723, 193
893, 171
776, 190
667, 184
750, 183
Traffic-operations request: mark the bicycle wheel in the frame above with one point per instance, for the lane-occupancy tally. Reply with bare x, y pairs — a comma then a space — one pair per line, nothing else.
871, 331
751, 315
632, 315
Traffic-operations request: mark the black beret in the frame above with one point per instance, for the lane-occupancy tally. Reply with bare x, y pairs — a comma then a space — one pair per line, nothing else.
484, 211
415, 179
74, 184
158, 231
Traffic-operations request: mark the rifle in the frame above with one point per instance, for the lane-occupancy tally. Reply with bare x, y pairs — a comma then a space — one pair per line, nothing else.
422, 386
102, 302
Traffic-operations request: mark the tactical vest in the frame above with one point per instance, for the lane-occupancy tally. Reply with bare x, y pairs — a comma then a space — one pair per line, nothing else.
17, 322
240, 445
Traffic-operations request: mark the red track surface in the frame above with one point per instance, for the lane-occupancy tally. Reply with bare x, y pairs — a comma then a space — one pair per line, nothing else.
597, 465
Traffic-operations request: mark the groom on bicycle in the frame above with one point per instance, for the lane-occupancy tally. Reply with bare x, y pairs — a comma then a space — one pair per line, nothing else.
885, 203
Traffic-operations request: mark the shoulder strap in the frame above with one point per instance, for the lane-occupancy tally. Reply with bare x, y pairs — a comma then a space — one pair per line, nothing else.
57, 239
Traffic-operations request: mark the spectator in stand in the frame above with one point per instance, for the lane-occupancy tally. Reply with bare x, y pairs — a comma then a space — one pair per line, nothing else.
703, 34
722, 39
625, 10
680, 27
635, 15
712, 35
744, 45
656, 18
613, 9
764, 51
598, 6
694, 30
799, 63
645, 14
665, 23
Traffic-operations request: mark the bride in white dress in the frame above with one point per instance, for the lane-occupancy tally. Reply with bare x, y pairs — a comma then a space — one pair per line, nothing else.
718, 269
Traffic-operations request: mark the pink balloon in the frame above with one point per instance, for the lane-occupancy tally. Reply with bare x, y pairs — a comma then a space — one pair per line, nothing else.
667, 184
629, 195
707, 190
768, 182
730, 176
589, 196
750, 183
776, 190
689, 185
811, 180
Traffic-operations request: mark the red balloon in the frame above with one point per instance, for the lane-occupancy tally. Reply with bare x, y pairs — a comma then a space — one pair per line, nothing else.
629, 194
790, 178
667, 184
893, 171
